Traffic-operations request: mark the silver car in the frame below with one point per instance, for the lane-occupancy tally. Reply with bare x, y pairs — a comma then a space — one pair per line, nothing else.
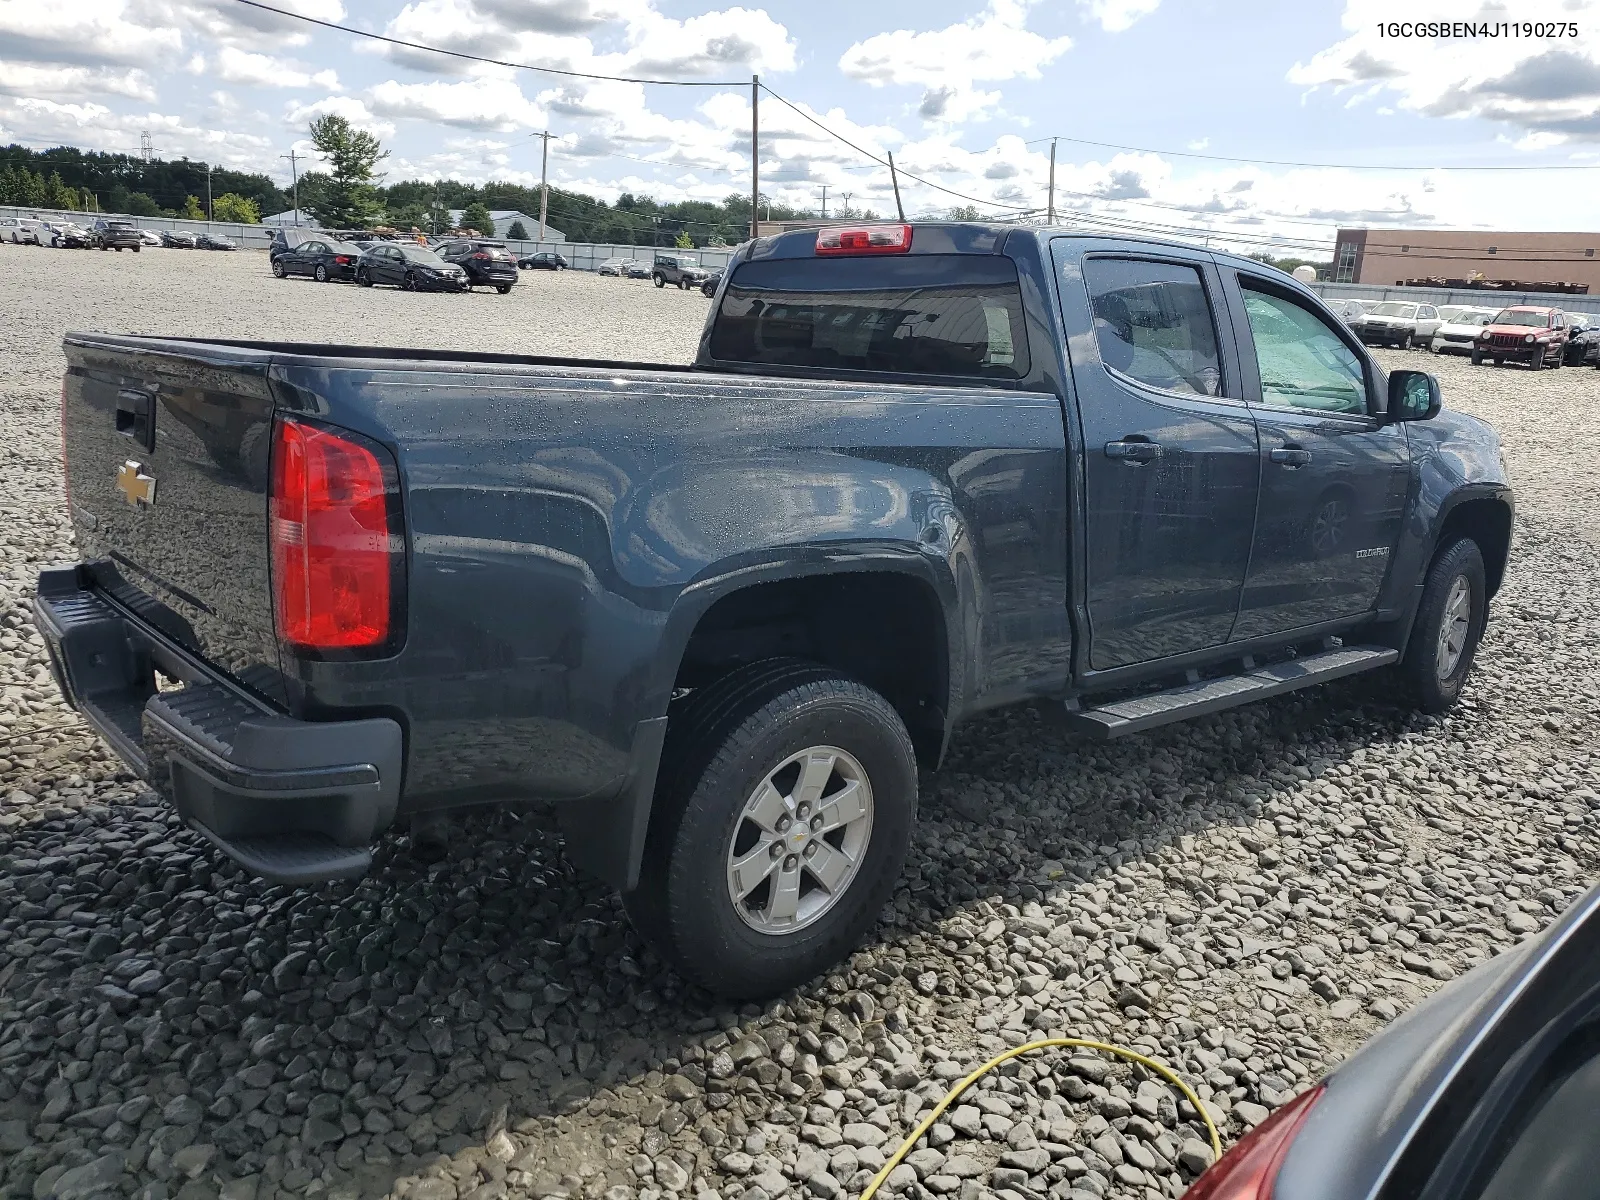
23, 230
1458, 328
613, 266
1401, 323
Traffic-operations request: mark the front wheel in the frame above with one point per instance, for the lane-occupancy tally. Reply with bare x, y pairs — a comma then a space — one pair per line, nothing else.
1537, 361
661, 281
1449, 625
320, 274
782, 821
1405, 342
136, 249
409, 282
278, 268
1477, 358
362, 278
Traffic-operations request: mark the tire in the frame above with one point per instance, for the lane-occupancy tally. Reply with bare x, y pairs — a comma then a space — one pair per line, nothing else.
1560, 361
1536, 363
136, 249
409, 283
1405, 342
1499, 362
724, 743
502, 288
277, 269
1456, 566
683, 285
661, 281
1477, 358
362, 278
320, 274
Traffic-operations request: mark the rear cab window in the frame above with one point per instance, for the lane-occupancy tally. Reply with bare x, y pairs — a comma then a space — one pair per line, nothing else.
955, 315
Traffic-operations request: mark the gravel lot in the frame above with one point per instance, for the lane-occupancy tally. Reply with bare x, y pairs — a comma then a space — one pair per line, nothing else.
1246, 897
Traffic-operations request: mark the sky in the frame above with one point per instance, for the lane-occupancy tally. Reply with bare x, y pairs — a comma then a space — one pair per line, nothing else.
1157, 104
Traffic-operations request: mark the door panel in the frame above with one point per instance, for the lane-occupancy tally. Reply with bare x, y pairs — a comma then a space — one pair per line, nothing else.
1334, 476
1172, 465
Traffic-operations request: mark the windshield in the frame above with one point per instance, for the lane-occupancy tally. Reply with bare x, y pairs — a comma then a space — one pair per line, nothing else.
1395, 309
418, 255
1473, 316
1521, 316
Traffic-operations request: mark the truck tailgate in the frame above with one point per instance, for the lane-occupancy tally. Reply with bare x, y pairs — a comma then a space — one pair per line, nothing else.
166, 448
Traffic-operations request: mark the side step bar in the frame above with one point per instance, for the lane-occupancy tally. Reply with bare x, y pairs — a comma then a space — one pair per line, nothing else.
1139, 713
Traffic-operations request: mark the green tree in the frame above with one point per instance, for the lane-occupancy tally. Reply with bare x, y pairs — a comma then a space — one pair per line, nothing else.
350, 201
476, 216
137, 204
518, 232
967, 212
57, 194
10, 186
191, 210
230, 206
34, 190
684, 242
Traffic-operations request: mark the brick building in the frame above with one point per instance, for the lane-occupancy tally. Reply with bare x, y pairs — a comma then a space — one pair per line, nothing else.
1388, 256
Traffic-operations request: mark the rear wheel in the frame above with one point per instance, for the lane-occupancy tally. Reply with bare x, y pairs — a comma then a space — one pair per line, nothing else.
278, 268
661, 281
502, 288
320, 274
782, 821
1450, 619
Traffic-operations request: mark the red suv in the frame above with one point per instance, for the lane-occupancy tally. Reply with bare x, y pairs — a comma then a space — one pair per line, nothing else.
1536, 336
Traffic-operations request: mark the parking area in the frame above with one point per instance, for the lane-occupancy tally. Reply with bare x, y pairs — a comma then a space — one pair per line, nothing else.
1245, 897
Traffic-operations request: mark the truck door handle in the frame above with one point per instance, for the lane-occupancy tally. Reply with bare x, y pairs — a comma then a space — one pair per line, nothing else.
1129, 450
136, 416
1291, 456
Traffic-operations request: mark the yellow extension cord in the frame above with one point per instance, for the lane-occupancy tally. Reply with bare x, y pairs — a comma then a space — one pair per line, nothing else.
954, 1093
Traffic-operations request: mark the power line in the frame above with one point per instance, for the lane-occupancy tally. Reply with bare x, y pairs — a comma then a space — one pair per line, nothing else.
1278, 162
495, 62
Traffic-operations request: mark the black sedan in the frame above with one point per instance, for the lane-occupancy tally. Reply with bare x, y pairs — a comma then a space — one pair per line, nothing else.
1487, 1089
320, 258
1583, 340
214, 241
545, 260
414, 268
177, 239
710, 284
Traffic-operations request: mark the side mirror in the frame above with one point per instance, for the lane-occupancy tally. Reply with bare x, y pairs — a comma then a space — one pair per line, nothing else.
1413, 396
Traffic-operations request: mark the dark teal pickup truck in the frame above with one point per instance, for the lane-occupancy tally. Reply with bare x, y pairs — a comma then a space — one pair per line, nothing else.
718, 616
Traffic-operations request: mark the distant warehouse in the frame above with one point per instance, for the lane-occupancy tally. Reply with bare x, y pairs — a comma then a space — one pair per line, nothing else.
1469, 258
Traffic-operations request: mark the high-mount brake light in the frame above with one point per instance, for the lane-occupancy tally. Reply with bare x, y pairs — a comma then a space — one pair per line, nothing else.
864, 239
1249, 1169
335, 541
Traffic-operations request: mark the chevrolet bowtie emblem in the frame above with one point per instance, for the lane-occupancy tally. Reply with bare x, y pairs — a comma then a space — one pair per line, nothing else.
136, 487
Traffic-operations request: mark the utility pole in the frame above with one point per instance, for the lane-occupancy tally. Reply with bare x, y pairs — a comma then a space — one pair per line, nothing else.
544, 183
824, 202
845, 211
147, 146
894, 178
1050, 209
294, 181
208, 193
755, 156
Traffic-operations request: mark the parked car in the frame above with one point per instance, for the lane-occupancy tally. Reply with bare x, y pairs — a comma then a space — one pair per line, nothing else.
636, 268
321, 258
177, 239
678, 269
22, 230
545, 260
1458, 333
709, 286
1485, 1090
1525, 333
1398, 323
149, 237
484, 260
1350, 311
613, 266
762, 590
66, 235
1583, 340
286, 238
112, 233
410, 266
214, 241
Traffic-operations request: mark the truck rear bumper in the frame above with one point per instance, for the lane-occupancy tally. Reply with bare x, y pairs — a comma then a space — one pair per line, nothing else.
293, 801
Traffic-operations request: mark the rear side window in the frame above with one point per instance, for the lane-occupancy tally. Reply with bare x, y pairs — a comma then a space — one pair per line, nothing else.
1152, 323
932, 314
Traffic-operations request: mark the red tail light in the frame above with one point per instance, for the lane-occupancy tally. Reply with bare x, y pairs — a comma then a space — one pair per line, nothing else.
1248, 1170
864, 239
483, 256
336, 541
343, 260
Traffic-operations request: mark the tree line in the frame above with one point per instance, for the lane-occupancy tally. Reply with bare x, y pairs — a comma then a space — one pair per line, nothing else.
348, 192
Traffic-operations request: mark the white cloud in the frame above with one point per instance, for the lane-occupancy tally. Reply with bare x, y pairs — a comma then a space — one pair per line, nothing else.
72, 82
948, 62
482, 103
86, 32
1116, 15
233, 65
92, 126
348, 107
1533, 86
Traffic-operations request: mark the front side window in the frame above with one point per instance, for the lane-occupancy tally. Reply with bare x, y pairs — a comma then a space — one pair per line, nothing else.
1152, 323
1303, 362
930, 314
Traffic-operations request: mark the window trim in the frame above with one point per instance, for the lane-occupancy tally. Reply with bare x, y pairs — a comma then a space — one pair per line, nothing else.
1168, 260
1373, 417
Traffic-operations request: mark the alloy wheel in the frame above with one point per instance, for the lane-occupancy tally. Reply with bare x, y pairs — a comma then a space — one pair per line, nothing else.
1454, 626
